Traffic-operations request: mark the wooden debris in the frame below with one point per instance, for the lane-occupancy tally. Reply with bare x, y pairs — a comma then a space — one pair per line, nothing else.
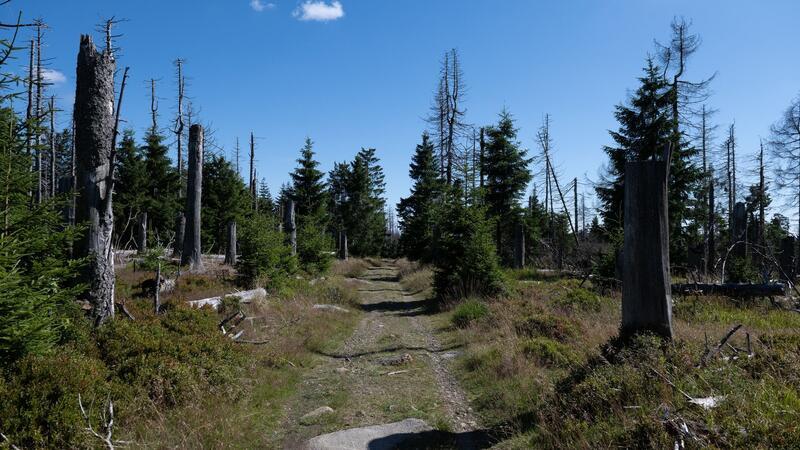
716, 350
244, 297
735, 290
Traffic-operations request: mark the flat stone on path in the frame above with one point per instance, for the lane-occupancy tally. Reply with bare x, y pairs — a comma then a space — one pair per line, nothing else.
376, 437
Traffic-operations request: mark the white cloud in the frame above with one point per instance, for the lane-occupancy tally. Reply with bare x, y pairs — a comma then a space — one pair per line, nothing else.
259, 6
319, 10
53, 76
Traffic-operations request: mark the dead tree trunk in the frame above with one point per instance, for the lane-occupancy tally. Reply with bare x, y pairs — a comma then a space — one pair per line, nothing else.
711, 241
191, 255
289, 225
94, 129
739, 230
141, 233
230, 252
646, 291
343, 251
519, 246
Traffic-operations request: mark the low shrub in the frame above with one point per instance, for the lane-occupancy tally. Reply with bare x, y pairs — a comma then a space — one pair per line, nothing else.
579, 299
547, 325
352, 268
549, 352
468, 312
264, 258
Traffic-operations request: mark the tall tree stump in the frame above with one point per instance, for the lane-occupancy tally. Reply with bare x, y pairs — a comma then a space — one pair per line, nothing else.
230, 251
519, 246
289, 225
646, 290
343, 250
191, 255
141, 233
94, 128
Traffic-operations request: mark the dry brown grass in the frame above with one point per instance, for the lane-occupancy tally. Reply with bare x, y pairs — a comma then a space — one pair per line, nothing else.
352, 268
289, 333
548, 355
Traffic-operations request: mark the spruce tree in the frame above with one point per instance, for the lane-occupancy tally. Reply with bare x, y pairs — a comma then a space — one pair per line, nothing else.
225, 198
505, 165
416, 213
308, 187
131, 189
162, 182
645, 128
364, 210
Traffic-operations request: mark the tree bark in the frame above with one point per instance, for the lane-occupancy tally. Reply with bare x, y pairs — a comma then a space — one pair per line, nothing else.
519, 246
191, 255
141, 235
646, 290
289, 225
230, 252
343, 251
94, 128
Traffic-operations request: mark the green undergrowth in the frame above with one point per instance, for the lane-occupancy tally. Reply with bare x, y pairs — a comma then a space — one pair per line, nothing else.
544, 368
175, 380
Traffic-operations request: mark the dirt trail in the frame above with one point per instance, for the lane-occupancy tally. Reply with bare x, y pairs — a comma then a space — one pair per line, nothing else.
391, 368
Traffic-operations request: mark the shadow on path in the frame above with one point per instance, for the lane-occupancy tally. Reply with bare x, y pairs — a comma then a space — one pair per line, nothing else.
390, 350
415, 306
429, 440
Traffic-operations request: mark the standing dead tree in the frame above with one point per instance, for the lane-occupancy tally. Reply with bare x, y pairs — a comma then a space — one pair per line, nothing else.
95, 136
447, 113
252, 180
289, 225
180, 218
785, 144
191, 255
646, 287
230, 249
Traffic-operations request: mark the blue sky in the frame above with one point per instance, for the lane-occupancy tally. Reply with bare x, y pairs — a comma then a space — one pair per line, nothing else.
361, 73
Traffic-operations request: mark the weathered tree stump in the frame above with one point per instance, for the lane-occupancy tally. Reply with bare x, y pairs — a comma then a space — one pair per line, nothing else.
289, 225
343, 250
191, 255
94, 128
141, 233
739, 232
519, 246
230, 251
646, 290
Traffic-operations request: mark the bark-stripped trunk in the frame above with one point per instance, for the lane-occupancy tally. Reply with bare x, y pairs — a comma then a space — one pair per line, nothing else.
230, 252
289, 225
94, 128
343, 251
519, 246
191, 255
141, 233
53, 181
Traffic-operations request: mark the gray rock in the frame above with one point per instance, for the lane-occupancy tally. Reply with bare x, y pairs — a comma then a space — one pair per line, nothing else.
321, 411
331, 308
376, 437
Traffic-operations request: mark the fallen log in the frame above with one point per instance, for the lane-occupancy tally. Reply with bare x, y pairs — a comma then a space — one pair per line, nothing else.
731, 289
244, 297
